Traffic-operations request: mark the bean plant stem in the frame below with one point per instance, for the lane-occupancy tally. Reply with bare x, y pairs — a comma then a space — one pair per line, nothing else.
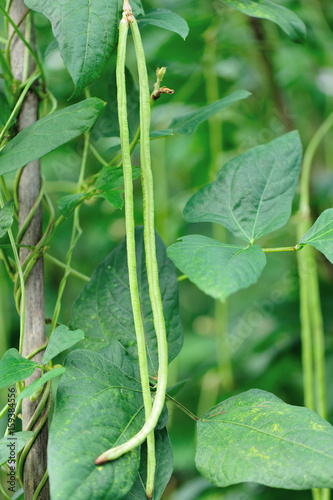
76, 233
215, 141
72, 271
26, 43
152, 268
130, 246
312, 330
18, 104
20, 273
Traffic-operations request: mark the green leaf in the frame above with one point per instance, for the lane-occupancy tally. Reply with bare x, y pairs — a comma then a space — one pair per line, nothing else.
187, 124
110, 178
108, 124
288, 21
217, 269
15, 442
320, 235
164, 468
14, 367
6, 217
257, 437
252, 193
28, 391
113, 197
98, 406
164, 18
104, 311
5, 110
174, 389
50, 132
69, 202
86, 32
158, 134
61, 339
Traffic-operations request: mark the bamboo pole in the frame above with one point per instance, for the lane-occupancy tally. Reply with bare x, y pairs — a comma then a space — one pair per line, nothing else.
29, 186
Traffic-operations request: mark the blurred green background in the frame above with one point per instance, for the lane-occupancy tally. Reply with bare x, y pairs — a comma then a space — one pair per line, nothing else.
291, 87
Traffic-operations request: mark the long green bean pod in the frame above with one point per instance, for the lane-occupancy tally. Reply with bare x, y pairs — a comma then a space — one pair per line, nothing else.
130, 246
151, 260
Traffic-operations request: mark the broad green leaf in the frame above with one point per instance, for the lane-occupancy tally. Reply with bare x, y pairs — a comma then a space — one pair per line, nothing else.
187, 124
257, 437
164, 467
14, 367
113, 197
61, 339
28, 391
86, 32
252, 193
49, 133
97, 407
217, 269
164, 18
265, 9
15, 442
104, 311
69, 202
6, 217
320, 235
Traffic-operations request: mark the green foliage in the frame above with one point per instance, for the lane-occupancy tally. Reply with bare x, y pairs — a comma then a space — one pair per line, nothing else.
320, 235
166, 19
48, 133
187, 123
252, 193
164, 468
257, 437
97, 405
253, 340
265, 9
37, 384
85, 40
216, 268
104, 309
6, 217
14, 368
21, 439
69, 202
61, 339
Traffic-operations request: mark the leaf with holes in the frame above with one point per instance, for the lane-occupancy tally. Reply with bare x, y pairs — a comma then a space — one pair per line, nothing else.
216, 268
252, 193
104, 310
98, 406
291, 24
320, 235
255, 436
49, 133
